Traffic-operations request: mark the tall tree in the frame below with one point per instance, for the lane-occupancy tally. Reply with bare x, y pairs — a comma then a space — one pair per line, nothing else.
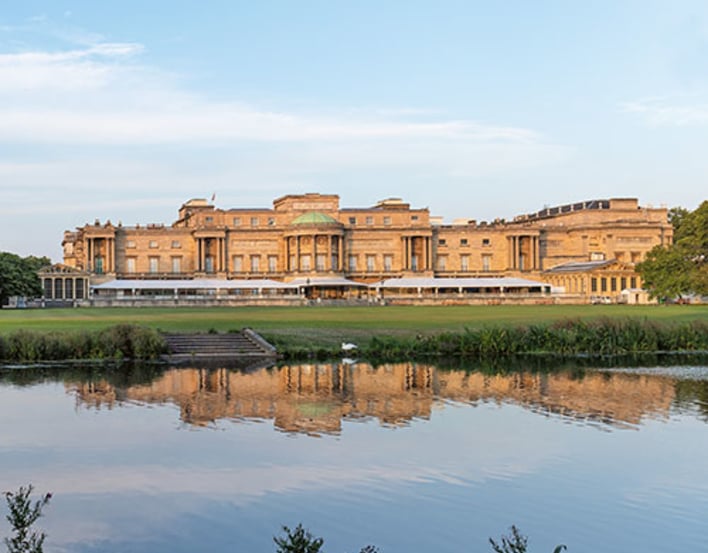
18, 276
682, 268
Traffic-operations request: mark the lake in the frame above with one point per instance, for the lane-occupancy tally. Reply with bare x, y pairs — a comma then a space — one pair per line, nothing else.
407, 456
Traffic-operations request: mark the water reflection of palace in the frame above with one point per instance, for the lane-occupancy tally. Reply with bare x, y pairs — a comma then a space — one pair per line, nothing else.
315, 398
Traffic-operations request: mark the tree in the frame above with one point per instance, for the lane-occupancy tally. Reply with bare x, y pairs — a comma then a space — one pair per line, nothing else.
298, 540
18, 276
516, 542
301, 540
23, 514
682, 267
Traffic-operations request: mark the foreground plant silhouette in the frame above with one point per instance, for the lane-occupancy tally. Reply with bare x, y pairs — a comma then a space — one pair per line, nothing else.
23, 514
301, 540
516, 542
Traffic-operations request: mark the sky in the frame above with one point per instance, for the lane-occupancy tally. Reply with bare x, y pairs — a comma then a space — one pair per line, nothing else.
474, 109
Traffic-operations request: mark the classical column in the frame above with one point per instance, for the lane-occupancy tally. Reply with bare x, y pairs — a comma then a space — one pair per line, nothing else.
222, 253
313, 262
340, 263
328, 254
510, 252
297, 255
429, 250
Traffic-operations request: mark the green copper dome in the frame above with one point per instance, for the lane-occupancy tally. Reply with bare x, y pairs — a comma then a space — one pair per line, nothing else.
314, 218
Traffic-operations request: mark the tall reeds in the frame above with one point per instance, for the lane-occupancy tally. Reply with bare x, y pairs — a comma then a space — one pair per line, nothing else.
571, 337
125, 341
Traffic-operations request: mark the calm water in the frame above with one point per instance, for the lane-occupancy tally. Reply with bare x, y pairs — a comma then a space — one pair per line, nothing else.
408, 457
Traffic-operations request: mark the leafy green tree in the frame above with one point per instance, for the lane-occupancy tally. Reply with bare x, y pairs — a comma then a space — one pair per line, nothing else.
681, 268
23, 514
18, 276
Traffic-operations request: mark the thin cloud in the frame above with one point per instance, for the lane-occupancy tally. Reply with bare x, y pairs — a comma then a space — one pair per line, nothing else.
134, 104
661, 112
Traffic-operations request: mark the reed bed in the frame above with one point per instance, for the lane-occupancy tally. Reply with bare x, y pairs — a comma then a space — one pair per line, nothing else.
570, 337
123, 341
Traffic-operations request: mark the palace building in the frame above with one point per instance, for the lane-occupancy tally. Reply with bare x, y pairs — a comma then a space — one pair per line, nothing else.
309, 248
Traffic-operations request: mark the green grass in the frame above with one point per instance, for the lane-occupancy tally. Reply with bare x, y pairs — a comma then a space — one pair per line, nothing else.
323, 326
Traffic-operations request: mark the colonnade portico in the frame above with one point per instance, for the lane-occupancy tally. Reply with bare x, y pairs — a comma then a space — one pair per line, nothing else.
60, 282
417, 252
211, 252
305, 245
100, 254
523, 252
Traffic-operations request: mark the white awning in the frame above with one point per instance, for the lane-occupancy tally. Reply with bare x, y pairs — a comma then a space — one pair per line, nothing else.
195, 284
482, 282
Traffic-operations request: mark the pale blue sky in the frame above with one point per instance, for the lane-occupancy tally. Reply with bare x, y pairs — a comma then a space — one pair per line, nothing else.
124, 110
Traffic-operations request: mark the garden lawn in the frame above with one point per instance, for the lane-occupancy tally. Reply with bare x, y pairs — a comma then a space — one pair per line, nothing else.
325, 326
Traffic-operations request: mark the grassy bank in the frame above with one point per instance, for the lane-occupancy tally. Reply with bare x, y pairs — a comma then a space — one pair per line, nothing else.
566, 337
311, 327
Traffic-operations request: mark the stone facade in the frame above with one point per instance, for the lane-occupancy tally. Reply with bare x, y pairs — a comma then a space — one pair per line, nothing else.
310, 236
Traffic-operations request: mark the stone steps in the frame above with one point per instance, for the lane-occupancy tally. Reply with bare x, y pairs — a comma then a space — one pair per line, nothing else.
232, 344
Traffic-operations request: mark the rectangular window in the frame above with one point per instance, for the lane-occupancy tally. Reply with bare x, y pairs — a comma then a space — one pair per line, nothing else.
153, 244
272, 263
369, 220
352, 220
176, 244
414, 262
633, 282
209, 219
130, 244
486, 262
255, 263
463, 242
352, 263
464, 262
130, 264
414, 217
370, 263
388, 262
623, 283
154, 264
176, 265
271, 221
293, 263
237, 221
79, 288
603, 284
209, 263
237, 261
442, 263
613, 284
58, 289
486, 242
387, 221
593, 284
320, 261
254, 221
305, 263
442, 242
69, 288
